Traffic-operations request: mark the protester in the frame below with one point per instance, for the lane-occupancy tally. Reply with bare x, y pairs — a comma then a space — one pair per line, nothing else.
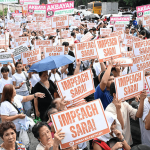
8, 135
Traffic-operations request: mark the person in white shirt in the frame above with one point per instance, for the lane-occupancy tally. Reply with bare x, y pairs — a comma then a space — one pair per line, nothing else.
5, 79
63, 71
19, 82
54, 76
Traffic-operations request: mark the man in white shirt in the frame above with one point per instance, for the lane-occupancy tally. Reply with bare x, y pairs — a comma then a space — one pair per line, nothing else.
5, 79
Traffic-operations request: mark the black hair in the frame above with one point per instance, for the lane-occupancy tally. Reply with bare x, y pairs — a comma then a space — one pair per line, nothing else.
77, 29
101, 76
65, 44
86, 31
51, 37
127, 27
94, 29
143, 32
19, 62
36, 128
72, 33
112, 89
40, 74
113, 69
5, 69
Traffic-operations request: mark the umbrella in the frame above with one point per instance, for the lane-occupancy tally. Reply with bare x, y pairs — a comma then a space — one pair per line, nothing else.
51, 62
94, 16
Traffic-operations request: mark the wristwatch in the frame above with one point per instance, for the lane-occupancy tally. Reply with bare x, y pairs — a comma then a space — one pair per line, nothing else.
34, 95
122, 140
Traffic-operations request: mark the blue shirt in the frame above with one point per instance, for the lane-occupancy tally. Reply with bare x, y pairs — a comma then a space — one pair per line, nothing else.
134, 22
105, 96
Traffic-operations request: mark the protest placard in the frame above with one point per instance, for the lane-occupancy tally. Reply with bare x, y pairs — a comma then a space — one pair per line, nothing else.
42, 43
143, 10
57, 9
65, 34
141, 47
26, 2
53, 1
22, 40
37, 9
76, 23
69, 40
119, 33
50, 31
146, 20
105, 31
76, 87
128, 54
127, 40
54, 51
71, 18
119, 27
5, 57
87, 37
2, 40
60, 22
135, 39
29, 18
85, 50
31, 57
141, 62
107, 48
130, 85
18, 50
81, 123
91, 25
119, 20
8, 1
124, 62
76, 103
17, 14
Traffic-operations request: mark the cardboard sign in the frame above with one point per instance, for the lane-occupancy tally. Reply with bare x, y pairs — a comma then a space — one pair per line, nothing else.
60, 22
31, 57
21, 40
42, 43
107, 48
76, 23
54, 51
91, 25
87, 37
29, 18
2, 40
50, 31
39, 17
76, 103
141, 47
58, 9
8, 1
16, 32
142, 10
26, 2
119, 27
119, 20
76, 87
18, 50
124, 62
135, 39
17, 14
147, 80
146, 20
105, 31
37, 9
77, 17
141, 62
65, 34
130, 85
127, 40
69, 40
53, 1
85, 51
128, 54
5, 57
119, 33
81, 123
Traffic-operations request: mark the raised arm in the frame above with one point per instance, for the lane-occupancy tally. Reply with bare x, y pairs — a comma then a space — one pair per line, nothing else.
78, 63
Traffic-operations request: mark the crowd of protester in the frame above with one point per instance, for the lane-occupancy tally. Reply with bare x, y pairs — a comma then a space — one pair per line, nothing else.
18, 105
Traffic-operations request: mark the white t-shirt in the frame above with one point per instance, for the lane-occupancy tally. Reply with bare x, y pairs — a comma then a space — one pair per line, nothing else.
55, 77
8, 109
145, 134
3, 82
34, 79
19, 78
40, 147
63, 76
97, 67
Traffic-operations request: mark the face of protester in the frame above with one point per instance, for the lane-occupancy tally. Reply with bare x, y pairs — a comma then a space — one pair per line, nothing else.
127, 31
60, 104
140, 22
66, 48
5, 74
33, 34
53, 71
44, 76
113, 126
19, 68
45, 135
9, 137
110, 80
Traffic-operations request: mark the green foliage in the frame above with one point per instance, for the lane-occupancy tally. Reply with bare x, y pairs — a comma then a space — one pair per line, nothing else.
5, 12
